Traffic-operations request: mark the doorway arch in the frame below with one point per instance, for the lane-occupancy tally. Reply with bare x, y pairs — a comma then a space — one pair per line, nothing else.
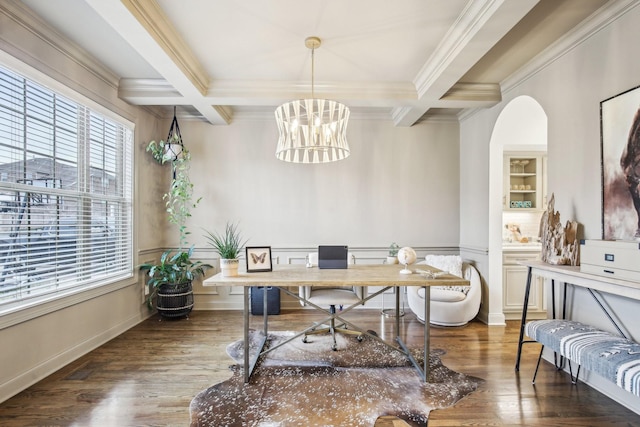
521, 126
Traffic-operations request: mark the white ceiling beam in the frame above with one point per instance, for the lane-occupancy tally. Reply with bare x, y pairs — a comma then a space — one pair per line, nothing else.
271, 94
480, 26
148, 30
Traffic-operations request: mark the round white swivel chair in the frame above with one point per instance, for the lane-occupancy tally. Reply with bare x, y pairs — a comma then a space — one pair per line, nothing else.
449, 307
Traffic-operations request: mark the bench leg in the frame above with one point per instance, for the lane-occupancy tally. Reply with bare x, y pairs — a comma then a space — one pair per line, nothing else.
574, 381
533, 381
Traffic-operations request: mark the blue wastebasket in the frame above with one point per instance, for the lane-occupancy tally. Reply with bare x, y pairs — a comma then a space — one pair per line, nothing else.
257, 301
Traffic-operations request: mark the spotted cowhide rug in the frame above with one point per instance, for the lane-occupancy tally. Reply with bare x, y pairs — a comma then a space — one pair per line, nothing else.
308, 384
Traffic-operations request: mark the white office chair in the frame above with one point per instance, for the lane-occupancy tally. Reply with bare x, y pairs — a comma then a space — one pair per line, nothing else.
323, 296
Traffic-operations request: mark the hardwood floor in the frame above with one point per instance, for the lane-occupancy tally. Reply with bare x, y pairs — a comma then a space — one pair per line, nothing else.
148, 375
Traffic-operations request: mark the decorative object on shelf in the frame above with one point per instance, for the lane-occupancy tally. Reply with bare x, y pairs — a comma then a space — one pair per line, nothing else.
228, 246
406, 256
258, 258
560, 245
170, 282
521, 204
392, 258
312, 130
620, 136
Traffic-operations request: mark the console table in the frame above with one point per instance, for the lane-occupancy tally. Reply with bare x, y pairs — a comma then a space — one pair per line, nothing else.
385, 276
573, 276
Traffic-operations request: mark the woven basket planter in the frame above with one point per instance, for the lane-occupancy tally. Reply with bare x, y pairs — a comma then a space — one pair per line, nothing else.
175, 300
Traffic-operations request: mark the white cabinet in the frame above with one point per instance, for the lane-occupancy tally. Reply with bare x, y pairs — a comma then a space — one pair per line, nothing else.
524, 182
514, 282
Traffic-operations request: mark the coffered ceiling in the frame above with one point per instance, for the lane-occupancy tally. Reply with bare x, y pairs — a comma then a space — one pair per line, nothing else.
401, 60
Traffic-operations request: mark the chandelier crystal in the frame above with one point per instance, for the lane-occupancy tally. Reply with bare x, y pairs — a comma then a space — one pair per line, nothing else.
312, 130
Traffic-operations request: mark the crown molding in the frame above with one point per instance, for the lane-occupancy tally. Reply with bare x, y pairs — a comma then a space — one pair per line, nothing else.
149, 92
23, 16
475, 12
600, 19
489, 92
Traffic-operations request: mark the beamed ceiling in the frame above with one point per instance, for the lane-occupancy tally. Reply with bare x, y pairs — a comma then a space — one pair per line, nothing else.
402, 60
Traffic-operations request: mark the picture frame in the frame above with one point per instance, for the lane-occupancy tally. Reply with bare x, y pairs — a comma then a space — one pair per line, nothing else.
620, 163
258, 259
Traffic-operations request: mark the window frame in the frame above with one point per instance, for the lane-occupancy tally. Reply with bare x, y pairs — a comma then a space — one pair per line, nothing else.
31, 307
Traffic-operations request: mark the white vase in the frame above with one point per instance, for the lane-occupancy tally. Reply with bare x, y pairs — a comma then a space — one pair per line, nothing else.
229, 267
392, 260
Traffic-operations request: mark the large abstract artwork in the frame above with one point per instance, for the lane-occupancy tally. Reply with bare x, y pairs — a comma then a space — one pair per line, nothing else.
620, 137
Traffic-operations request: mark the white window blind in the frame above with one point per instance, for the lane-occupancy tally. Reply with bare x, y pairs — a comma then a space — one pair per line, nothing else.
65, 194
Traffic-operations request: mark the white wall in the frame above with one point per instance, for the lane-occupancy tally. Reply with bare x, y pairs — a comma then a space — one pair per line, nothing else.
569, 89
399, 184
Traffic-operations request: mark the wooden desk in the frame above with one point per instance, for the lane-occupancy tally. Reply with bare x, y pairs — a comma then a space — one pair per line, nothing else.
385, 276
573, 276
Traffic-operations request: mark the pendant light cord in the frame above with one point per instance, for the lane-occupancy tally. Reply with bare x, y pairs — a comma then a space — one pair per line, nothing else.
313, 62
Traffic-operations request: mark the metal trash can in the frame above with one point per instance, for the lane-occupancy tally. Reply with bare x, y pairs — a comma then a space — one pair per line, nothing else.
257, 301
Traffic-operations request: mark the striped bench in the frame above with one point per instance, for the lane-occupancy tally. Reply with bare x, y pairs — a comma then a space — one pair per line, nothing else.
610, 356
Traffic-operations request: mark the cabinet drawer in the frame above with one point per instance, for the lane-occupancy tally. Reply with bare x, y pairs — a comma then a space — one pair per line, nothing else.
514, 257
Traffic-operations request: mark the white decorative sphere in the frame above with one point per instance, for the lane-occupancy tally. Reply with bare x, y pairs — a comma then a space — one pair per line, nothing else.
406, 255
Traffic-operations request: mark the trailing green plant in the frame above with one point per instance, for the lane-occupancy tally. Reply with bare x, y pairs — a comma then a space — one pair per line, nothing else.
158, 149
229, 244
172, 269
393, 249
179, 199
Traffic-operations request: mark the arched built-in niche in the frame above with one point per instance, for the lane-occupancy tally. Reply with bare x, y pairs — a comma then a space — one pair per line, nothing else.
521, 126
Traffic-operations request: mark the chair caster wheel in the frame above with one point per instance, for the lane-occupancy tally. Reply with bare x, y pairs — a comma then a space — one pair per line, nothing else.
334, 347
360, 338
304, 340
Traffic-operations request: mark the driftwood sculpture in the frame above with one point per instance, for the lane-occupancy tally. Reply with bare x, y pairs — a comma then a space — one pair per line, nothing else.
560, 244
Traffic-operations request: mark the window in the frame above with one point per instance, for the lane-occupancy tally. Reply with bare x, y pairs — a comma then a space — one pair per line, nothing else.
65, 195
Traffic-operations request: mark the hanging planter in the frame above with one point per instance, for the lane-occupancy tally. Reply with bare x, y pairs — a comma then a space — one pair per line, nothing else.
170, 279
170, 150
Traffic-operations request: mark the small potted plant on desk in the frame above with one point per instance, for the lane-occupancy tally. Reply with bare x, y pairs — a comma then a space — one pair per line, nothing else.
228, 246
392, 258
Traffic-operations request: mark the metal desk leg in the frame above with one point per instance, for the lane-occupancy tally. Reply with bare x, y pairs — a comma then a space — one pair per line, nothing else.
247, 373
553, 316
397, 310
525, 307
427, 331
265, 315
424, 369
553, 298
249, 366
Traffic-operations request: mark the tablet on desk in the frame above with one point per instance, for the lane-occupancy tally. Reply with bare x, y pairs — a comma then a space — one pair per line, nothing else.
332, 256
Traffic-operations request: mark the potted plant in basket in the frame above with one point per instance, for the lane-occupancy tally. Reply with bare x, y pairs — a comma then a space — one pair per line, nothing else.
228, 246
392, 258
170, 280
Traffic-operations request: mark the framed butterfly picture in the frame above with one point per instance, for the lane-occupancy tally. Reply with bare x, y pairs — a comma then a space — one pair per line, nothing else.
258, 259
